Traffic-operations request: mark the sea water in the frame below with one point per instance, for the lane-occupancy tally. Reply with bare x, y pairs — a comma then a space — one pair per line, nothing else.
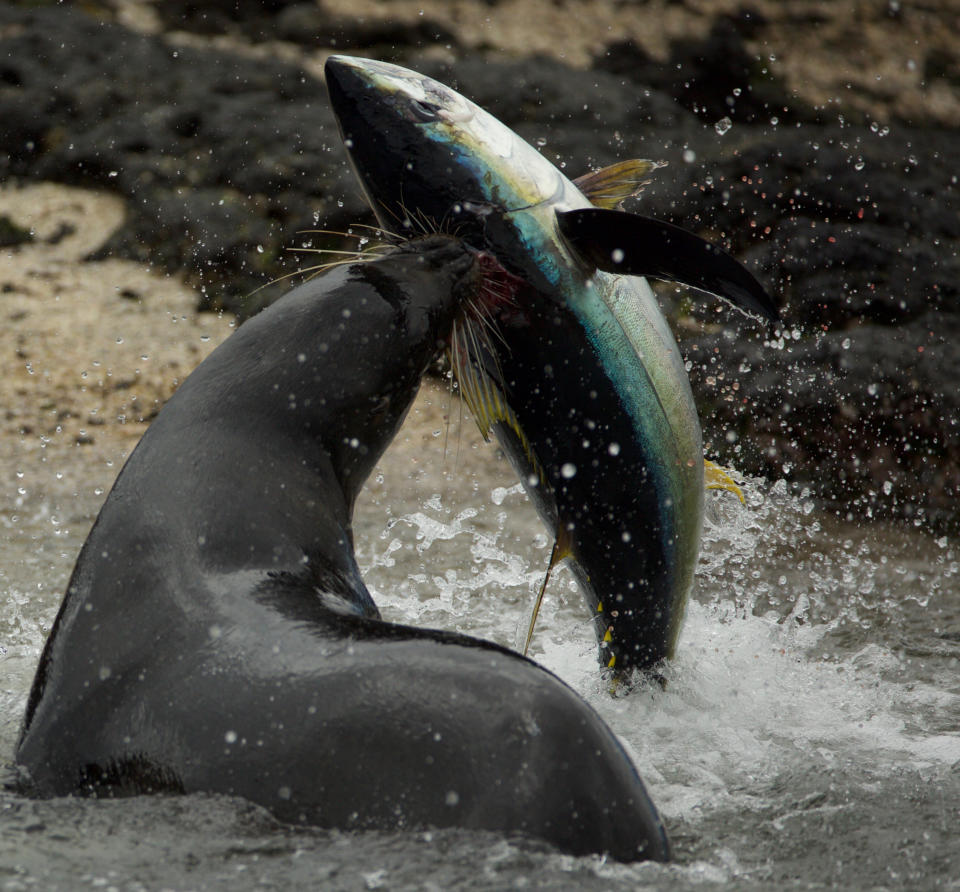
808, 733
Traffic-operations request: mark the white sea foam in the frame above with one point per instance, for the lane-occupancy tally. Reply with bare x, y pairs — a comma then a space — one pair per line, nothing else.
752, 692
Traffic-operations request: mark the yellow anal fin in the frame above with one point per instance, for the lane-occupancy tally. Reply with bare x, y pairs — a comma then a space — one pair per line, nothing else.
562, 548
716, 477
610, 186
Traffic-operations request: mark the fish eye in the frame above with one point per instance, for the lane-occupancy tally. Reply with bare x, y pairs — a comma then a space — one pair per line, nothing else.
423, 110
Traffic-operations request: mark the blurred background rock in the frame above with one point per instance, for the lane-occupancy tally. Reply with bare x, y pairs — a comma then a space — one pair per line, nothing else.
815, 140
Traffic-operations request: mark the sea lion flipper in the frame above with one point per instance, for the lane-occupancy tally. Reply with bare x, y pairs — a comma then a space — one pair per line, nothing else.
618, 242
609, 186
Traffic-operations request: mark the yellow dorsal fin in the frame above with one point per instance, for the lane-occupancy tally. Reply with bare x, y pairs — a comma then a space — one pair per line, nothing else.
716, 477
610, 186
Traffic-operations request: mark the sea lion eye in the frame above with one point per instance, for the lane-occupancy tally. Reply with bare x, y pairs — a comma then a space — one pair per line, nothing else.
423, 110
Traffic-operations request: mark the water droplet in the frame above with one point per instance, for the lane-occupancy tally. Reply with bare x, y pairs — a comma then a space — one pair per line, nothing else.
723, 125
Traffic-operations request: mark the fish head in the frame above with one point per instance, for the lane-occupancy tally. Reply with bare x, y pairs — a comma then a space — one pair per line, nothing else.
430, 159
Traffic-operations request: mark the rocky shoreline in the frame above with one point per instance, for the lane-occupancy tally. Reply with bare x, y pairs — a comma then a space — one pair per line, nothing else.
816, 141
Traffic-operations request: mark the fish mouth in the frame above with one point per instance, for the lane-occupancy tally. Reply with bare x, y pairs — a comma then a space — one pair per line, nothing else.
425, 100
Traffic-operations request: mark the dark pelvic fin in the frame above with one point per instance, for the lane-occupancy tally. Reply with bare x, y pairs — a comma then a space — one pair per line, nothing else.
618, 242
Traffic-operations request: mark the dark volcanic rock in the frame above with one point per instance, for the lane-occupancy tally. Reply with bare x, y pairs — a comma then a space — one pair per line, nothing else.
866, 419
856, 229
579, 119
222, 158
11, 234
219, 16
858, 234
304, 23
715, 77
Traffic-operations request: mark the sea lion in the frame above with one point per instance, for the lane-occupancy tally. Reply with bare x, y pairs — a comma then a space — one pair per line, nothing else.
610, 450
216, 634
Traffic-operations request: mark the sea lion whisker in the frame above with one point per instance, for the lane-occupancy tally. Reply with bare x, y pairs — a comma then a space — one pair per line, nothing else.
341, 233
362, 252
484, 315
404, 221
282, 278
458, 355
481, 334
480, 393
359, 254
380, 230
451, 378
465, 376
407, 221
320, 268
428, 225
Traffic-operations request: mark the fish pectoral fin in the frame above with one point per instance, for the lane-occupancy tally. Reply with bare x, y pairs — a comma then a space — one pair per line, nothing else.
618, 242
609, 186
717, 477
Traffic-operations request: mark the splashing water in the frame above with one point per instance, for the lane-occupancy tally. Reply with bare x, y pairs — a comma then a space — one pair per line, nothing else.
816, 656
808, 732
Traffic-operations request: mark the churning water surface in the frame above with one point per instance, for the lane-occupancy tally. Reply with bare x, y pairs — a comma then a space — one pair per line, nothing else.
809, 733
